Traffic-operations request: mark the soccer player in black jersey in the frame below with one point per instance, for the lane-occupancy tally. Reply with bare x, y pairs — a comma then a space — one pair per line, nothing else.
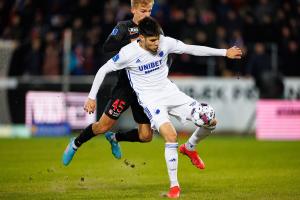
122, 96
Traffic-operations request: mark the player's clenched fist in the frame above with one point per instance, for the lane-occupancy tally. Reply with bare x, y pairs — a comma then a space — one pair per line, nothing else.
90, 106
234, 53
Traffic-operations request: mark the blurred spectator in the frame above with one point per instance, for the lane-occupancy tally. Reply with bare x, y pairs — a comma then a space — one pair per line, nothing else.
263, 8
89, 61
208, 23
259, 61
76, 61
78, 31
52, 61
217, 23
291, 58
33, 58
15, 29
268, 82
191, 25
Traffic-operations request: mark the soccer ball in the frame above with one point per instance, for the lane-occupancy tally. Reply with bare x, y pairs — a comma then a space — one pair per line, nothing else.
202, 115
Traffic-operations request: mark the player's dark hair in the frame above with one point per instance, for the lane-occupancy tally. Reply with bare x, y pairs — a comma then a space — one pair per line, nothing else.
149, 27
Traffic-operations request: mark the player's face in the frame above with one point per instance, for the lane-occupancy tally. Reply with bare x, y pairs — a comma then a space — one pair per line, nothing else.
141, 11
151, 43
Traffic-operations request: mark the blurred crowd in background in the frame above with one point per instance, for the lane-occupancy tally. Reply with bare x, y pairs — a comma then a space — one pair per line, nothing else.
262, 28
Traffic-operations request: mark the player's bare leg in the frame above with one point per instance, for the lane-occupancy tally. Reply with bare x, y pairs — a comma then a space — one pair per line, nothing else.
145, 133
189, 148
168, 132
104, 124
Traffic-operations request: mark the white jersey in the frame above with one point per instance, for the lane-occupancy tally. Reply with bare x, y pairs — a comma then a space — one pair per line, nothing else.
148, 72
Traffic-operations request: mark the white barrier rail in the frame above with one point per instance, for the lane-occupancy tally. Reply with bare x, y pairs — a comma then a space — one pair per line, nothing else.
233, 99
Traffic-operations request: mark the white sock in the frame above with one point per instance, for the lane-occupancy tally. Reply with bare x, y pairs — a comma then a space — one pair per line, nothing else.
198, 135
171, 156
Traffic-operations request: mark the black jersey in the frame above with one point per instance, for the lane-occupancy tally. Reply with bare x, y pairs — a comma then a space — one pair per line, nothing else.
120, 36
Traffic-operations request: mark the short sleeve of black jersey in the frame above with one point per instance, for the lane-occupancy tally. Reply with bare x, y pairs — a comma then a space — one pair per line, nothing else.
117, 39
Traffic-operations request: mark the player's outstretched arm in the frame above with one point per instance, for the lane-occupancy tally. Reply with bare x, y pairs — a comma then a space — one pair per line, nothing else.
234, 53
118, 62
178, 47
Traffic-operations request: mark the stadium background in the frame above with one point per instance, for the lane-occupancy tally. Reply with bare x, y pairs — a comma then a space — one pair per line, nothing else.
56, 46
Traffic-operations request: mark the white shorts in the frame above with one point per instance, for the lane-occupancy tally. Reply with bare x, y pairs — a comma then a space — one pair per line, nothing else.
174, 103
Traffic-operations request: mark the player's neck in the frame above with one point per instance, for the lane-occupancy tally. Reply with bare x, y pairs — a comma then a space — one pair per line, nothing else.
142, 45
135, 20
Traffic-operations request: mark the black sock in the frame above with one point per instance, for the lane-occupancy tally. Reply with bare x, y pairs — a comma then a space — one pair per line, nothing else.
129, 136
84, 136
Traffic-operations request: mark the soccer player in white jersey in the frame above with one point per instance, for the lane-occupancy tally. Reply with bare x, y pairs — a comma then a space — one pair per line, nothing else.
145, 61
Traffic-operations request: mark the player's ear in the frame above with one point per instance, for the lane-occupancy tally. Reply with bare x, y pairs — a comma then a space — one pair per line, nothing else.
142, 38
133, 9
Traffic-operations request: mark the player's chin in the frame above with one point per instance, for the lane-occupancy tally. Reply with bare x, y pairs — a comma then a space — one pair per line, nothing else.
154, 51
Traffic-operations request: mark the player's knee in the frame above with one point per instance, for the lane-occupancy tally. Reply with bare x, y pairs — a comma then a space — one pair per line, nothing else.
100, 128
171, 138
145, 133
146, 137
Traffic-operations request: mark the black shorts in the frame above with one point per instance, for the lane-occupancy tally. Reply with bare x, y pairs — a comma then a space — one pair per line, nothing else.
122, 97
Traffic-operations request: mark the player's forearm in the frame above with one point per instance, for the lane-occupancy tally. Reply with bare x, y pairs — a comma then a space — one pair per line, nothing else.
203, 51
98, 80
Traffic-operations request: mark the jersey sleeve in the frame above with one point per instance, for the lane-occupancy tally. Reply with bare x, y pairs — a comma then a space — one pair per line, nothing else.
119, 61
178, 47
117, 39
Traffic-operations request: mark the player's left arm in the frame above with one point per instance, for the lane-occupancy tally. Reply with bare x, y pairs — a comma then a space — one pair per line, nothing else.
178, 47
116, 63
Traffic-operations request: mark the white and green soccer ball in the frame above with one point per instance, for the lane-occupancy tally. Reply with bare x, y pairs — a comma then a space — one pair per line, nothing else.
202, 115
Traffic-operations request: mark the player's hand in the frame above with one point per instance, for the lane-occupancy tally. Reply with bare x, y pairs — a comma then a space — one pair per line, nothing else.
90, 106
234, 53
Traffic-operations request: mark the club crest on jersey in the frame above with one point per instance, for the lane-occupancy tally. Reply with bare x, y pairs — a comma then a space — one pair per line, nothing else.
133, 30
150, 67
114, 31
161, 54
116, 58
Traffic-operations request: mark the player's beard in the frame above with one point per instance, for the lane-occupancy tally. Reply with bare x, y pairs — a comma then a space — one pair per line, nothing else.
152, 50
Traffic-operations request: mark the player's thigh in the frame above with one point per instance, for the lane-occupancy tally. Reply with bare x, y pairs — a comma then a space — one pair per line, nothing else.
183, 112
158, 115
118, 103
138, 112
